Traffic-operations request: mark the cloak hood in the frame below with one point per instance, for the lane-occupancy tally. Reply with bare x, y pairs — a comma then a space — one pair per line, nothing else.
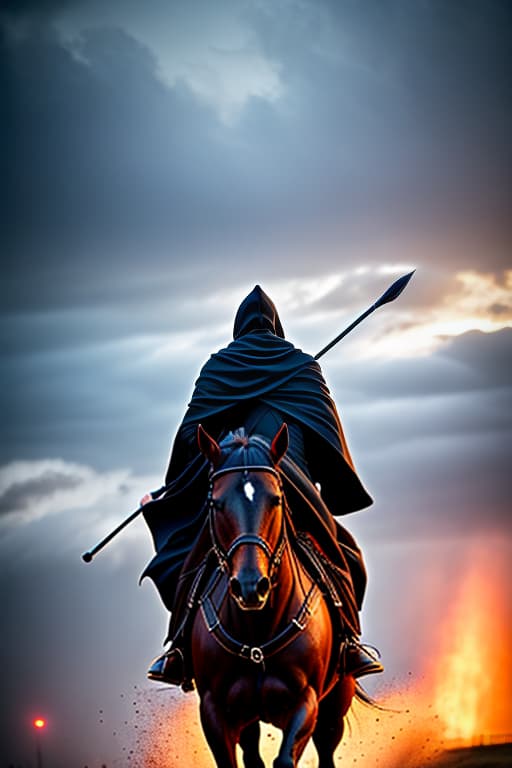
257, 312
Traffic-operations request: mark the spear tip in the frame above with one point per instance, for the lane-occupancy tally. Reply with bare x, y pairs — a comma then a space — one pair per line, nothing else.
394, 290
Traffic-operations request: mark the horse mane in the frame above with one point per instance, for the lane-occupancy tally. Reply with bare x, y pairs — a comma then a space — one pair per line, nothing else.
240, 438
241, 449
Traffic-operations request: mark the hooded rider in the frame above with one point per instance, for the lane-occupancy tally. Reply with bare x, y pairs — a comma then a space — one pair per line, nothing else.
259, 381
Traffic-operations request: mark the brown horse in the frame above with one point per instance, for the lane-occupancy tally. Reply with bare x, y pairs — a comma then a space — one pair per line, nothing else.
263, 643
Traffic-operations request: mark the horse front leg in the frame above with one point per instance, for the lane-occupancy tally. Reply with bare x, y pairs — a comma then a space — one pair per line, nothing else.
220, 737
330, 723
250, 743
298, 730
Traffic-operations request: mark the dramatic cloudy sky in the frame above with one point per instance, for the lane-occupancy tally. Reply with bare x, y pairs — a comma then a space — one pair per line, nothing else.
159, 159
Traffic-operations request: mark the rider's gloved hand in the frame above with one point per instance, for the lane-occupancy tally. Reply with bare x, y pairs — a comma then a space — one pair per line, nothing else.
147, 497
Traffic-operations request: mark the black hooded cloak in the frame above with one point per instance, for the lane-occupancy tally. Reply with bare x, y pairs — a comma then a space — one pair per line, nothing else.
259, 371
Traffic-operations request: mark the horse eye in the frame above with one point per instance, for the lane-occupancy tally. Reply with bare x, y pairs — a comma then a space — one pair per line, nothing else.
275, 501
218, 504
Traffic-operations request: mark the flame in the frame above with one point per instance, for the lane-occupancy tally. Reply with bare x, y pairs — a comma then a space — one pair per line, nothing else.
463, 687
469, 690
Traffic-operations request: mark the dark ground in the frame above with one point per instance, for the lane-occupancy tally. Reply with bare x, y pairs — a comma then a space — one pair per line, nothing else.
494, 756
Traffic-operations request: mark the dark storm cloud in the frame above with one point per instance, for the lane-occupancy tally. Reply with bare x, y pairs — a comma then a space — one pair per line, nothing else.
415, 96
488, 354
437, 407
432, 439
96, 405
439, 487
19, 496
25, 8
472, 363
99, 152
107, 166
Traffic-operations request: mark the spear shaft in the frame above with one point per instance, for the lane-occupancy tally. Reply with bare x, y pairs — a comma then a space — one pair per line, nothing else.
340, 336
88, 556
391, 294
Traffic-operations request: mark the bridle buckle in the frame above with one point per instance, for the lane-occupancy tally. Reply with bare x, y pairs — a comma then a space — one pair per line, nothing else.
256, 655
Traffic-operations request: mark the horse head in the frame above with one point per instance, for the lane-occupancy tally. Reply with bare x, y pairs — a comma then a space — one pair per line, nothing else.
246, 511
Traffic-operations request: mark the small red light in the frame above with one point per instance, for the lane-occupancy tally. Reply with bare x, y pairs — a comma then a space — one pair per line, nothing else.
39, 723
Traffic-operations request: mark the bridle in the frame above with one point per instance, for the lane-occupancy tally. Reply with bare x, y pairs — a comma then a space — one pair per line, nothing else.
209, 610
224, 556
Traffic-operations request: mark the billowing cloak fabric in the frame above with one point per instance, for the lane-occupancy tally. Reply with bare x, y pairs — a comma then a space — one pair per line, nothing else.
258, 381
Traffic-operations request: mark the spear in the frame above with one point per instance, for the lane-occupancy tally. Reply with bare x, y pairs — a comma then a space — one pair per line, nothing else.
390, 295
88, 556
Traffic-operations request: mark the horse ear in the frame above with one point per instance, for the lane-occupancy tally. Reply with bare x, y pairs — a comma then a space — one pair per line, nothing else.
208, 446
279, 444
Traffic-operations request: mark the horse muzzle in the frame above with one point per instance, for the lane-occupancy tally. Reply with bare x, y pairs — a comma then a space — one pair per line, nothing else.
250, 589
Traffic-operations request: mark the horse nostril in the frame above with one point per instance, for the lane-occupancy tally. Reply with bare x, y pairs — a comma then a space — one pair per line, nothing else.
235, 587
263, 587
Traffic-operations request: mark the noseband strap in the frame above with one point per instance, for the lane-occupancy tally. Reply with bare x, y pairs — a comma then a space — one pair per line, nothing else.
249, 538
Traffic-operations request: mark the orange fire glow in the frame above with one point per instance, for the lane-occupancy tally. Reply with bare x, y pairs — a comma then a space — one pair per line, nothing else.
470, 675
39, 723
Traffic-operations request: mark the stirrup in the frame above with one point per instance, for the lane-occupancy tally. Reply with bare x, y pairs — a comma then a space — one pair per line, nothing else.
168, 668
359, 660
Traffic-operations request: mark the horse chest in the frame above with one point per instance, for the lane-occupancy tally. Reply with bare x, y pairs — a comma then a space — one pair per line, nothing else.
276, 699
268, 696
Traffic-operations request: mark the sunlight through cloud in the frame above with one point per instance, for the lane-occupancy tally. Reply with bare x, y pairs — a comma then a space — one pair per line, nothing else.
481, 303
